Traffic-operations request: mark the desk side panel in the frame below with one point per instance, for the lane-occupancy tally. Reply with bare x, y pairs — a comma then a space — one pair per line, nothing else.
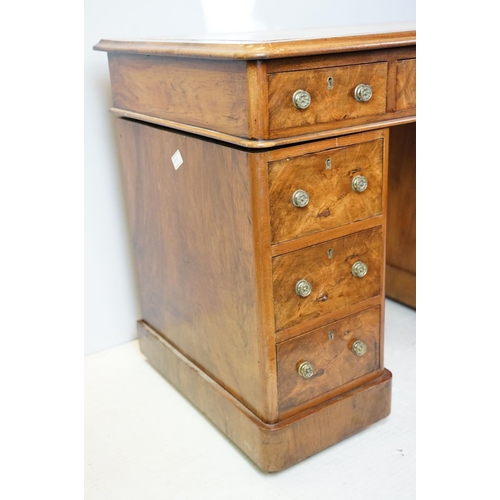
193, 235
211, 94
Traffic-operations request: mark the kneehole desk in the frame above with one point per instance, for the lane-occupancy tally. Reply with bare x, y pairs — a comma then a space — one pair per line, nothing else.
270, 190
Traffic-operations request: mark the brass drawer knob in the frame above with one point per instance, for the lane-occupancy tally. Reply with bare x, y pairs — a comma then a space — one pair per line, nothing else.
301, 99
303, 288
358, 348
306, 370
359, 269
359, 183
300, 198
363, 93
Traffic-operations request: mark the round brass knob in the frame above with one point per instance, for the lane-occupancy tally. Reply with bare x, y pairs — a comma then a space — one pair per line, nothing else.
359, 183
363, 93
301, 99
359, 269
303, 288
306, 369
300, 198
358, 348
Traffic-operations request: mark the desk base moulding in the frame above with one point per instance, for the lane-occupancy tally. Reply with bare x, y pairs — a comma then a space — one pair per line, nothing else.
273, 447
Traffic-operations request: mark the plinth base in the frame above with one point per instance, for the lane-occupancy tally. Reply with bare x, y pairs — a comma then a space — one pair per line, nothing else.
272, 447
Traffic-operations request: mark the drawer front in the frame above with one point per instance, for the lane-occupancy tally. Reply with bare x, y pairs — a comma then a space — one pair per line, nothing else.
328, 354
327, 178
326, 104
327, 268
406, 83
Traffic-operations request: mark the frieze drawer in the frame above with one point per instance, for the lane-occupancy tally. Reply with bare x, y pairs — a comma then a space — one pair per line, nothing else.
308, 98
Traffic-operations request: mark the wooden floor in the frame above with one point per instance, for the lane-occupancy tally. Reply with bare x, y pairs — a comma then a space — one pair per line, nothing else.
144, 440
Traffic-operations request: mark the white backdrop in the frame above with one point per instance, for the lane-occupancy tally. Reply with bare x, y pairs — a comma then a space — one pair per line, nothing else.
111, 302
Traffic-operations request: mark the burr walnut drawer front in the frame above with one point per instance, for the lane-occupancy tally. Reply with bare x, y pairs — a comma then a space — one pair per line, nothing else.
317, 96
324, 278
406, 84
324, 190
327, 358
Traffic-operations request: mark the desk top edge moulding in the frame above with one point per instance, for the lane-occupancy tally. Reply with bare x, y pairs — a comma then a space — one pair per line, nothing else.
271, 44
257, 181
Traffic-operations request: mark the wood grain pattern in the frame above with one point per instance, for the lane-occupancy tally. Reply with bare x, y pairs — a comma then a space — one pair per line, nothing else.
197, 253
326, 105
328, 349
332, 200
333, 285
272, 447
210, 94
258, 124
406, 84
401, 215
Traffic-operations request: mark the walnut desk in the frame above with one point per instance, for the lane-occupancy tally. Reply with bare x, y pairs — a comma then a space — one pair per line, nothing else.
260, 186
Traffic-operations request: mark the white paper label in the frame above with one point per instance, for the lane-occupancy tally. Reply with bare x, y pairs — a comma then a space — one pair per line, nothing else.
177, 159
